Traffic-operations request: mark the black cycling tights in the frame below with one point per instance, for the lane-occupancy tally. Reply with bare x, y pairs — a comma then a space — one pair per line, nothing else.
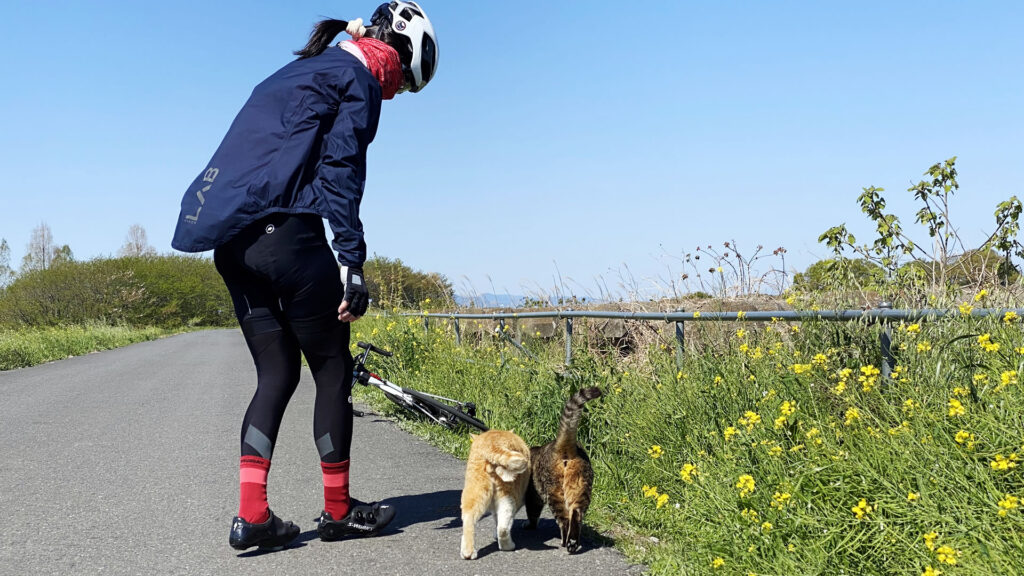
286, 290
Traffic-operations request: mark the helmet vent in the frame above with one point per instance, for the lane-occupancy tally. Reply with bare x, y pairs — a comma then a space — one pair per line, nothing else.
408, 13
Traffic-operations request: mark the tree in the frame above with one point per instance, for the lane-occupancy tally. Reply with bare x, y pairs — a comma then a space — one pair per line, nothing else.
393, 284
40, 250
136, 244
62, 255
831, 274
6, 273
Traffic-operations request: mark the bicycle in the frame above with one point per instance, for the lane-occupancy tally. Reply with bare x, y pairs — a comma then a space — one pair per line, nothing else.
444, 411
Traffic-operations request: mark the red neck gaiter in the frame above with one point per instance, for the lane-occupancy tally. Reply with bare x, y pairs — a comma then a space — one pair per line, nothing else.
384, 64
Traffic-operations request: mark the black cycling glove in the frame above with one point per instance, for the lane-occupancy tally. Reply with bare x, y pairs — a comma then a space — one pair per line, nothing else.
356, 294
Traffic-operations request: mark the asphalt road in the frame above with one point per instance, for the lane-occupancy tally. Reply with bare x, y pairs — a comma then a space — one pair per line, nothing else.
125, 462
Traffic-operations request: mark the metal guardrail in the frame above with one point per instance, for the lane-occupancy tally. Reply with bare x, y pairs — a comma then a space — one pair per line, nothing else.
883, 314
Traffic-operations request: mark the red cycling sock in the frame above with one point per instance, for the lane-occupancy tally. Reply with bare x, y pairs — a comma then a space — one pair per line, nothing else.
336, 501
252, 501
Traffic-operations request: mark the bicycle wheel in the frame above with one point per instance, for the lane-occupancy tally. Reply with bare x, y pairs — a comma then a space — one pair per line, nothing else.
445, 412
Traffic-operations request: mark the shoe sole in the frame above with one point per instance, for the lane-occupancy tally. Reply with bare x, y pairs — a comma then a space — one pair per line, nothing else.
269, 544
333, 534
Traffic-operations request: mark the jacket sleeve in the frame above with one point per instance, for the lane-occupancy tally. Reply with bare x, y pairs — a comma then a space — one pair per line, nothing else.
341, 172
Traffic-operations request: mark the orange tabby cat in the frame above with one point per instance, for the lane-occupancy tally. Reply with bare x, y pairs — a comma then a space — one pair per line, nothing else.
497, 474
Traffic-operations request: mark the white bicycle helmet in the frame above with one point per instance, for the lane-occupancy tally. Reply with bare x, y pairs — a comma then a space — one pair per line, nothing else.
405, 23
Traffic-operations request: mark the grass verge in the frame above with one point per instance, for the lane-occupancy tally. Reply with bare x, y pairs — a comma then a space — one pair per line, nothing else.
26, 347
779, 449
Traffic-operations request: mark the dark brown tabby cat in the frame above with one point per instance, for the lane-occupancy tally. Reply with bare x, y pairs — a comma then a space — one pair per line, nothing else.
562, 475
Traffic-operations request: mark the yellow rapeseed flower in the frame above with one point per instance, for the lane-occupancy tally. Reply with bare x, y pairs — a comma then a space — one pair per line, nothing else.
787, 408
688, 472
1008, 377
717, 563
814, 435
662, 500
965, 438
729, 432
655, 451
650, 491
986, 343
800, 368
741, 315
862, 509
929, 539
913, 496
780, 422
929, 571
947, 554
966, 308
1010, 317
820, 360
750, 419
741, 333
924, 346
780, 499
980, 295
961, 392
868, 377
852, 415
914, 329
955, 408
766, 526
1007, 504
746, 485
1004, 463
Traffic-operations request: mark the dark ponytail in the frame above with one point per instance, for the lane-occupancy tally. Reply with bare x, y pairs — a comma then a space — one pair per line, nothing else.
320, 38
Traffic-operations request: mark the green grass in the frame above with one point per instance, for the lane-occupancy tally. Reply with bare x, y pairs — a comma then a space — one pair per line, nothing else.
23, 347
893, 444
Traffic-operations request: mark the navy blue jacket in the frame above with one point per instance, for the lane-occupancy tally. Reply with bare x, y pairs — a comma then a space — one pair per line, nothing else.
297, 146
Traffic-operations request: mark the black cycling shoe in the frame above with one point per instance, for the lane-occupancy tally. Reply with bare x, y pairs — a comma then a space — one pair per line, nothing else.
272, 534
361, 520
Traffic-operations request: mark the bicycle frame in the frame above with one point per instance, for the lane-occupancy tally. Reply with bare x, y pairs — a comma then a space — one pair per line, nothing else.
415, 400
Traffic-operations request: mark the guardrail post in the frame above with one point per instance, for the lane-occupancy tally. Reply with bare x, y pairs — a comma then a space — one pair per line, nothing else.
458, 333
680, 342
426, 325
568, 341
885, 341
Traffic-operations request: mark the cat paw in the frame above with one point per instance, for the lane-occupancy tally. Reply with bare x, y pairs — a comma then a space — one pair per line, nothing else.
467, 549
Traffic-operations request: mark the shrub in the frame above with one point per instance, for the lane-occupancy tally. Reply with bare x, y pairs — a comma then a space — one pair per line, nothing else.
165, 291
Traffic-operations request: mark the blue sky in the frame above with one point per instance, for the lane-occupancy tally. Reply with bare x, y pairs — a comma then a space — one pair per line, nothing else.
560, 142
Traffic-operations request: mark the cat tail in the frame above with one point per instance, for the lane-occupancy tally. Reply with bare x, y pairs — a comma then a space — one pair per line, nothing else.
514, 462
570, 421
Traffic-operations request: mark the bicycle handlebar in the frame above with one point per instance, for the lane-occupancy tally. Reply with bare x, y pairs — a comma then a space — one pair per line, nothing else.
371, 348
